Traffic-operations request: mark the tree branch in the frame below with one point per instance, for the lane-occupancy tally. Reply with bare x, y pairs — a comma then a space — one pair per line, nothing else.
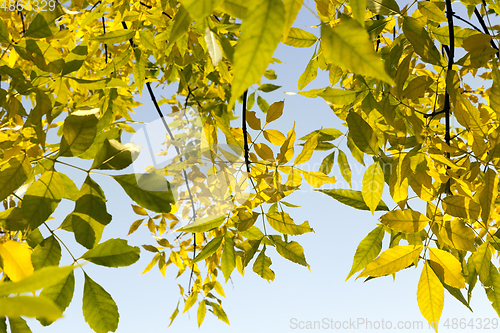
244, 125
451, 55
485, 29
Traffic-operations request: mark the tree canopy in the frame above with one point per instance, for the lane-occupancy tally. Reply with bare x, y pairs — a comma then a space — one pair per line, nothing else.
71, 74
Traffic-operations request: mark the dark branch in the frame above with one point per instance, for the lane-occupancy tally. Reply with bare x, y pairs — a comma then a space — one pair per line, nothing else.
485, 29
451, 55
244, 125
105, 45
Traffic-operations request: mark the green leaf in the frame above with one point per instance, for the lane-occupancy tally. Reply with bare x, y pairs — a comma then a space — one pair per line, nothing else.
96, 13
268, 87
373, 186
150, 191
12, 219
75, 59
13, 174
461, 206
114, 155
235, 8
60, 293
182, 21
79, 132
47, 253
344, 167
358, 10
113, 253
310, 73
18, 325
219, 312
87, 231
209, 249
260, 35
367, 250
289, 250
349, 47
40, 28
327, 164
362, 134
352, 198
493, 288
43, 277
91, 203
99, 309
383, 7
4, 33
282, 222
114, 37
42, 198
261, 266
300, 38
292, 8
199, 9
228, 259
420, 40
28, 306
44, 56
204, 224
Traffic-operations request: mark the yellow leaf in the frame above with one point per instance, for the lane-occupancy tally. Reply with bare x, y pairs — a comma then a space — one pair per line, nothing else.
275, 111
405, 220
372, 186
430, 295
275, 137
260, 35
392, 260
488, 195
287, 151
16, 259
447, 267
482, 261
253, 121
264, 151
456, 234
317, 179
307, 150
349, 47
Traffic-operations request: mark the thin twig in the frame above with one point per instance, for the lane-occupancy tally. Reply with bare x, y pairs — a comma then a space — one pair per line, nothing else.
105, 45
485, 29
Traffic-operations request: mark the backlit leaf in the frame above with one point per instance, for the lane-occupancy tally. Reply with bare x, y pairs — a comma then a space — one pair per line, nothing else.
261, 266
372, 186
352, 198
47, 253
300, 38
27, 306
99, 309
260, 35
447, 267
113, 253
150, 191
13, 174
430, 295
367, 250
282, 222
405, 220
349, 47
16, 259
209, 249
204, 224
392, 260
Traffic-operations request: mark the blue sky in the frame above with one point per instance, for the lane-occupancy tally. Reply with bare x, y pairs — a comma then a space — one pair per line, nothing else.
296, 295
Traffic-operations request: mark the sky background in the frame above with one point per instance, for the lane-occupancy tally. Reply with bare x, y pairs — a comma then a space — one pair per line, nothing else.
252, 304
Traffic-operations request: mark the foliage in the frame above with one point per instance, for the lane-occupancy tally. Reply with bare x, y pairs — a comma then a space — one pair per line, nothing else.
394, 82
